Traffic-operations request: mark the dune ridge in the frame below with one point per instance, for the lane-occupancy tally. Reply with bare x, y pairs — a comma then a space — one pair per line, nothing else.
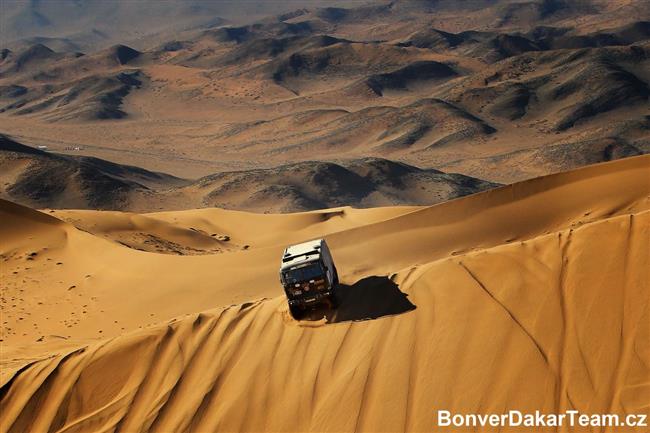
427, 321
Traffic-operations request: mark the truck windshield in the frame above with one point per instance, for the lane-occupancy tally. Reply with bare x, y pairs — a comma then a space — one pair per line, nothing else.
307, 273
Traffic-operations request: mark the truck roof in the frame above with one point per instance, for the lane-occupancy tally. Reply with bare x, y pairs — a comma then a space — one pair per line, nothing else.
301, 253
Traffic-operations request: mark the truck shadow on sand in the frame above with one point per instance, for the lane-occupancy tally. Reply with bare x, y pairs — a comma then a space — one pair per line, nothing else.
367, 299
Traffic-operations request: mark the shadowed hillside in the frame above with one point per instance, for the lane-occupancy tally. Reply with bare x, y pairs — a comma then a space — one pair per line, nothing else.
42, 179
319, 185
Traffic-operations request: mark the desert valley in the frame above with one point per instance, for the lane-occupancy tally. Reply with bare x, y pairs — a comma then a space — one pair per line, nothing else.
479, 170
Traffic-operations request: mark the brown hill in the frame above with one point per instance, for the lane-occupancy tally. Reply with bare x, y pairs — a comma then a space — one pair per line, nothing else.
43, 179
95, 24
39, 178
318, 185
33, 56
566, 155
626, 35
376, 130
561, 87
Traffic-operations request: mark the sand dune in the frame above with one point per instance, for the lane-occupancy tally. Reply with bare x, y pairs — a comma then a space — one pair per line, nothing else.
209, 231
501, 300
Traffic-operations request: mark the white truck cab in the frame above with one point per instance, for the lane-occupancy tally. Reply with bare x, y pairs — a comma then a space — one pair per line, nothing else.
308, 275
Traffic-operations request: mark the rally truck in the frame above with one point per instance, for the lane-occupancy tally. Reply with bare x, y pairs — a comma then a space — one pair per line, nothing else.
308, 276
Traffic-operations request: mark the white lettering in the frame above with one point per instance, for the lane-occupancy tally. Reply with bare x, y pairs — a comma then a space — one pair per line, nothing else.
444, 418
572, 417
529, 420
519, 418
515, 418
539, 419
457, 420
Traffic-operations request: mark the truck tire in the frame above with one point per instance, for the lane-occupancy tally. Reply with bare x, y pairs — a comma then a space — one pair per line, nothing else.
334, 299
295, 311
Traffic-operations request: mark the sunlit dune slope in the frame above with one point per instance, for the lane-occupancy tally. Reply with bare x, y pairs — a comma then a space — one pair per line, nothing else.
64, 286
528, 297
532, 325
204, 231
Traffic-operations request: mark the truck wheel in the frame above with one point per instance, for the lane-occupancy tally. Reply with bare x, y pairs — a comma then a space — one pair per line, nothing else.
296, 312
334, 300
